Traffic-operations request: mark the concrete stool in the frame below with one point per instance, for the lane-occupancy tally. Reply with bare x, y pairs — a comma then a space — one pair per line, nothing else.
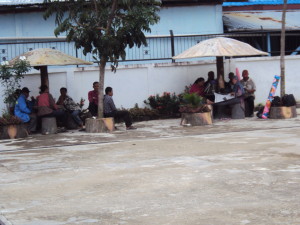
49, 125
237, 112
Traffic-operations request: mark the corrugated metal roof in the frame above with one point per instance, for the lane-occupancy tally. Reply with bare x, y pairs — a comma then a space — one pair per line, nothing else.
20, 2
258, 20
260, 2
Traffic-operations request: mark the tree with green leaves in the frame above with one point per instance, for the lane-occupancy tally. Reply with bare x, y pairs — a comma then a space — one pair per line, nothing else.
104, 28
11, 77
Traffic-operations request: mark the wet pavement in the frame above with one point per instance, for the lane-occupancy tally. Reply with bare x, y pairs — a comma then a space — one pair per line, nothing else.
231, 172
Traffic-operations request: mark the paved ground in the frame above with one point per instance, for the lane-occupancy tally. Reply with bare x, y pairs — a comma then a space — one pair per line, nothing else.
232, 172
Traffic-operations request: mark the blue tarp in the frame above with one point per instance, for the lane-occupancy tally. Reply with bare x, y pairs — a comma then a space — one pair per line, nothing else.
260, 2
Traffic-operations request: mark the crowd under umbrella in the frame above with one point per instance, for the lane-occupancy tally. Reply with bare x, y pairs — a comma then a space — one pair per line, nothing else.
219, 47
41, 58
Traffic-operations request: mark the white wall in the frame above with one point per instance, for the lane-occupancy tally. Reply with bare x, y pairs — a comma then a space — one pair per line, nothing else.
134, 83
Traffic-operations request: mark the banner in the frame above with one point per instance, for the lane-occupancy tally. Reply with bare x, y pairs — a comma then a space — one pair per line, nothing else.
271, 97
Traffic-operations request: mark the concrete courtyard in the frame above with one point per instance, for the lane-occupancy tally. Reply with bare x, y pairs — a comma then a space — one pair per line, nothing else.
234, 172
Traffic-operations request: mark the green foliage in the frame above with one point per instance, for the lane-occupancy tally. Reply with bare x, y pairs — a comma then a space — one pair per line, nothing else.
193, 103
8, 119
166, 103
11, 76
104, 27
192, 99
142, 114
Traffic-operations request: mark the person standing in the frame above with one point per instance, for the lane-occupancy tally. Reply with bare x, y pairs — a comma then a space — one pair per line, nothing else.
250, 88
110, 109
23, 110
93, 99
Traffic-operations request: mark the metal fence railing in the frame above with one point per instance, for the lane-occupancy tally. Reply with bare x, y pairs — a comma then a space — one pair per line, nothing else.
158, 48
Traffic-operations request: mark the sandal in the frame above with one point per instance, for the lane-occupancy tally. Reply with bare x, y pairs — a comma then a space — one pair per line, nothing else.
131, 128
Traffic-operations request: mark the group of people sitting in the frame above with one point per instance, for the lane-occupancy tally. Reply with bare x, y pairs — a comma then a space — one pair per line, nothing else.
243, 89
109, 108
44, 105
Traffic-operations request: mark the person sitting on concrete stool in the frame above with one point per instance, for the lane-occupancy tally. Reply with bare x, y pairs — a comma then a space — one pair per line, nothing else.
110, 109
250, 88
23, 110
93, 99
71, 107
47, 107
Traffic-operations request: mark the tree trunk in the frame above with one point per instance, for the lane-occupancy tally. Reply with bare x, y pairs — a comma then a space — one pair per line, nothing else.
282, 51
44, 76
220, 73
101, 86
104, 59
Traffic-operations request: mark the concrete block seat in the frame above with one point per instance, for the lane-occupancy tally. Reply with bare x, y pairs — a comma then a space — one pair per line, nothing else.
49, 125
229, 109
237, 112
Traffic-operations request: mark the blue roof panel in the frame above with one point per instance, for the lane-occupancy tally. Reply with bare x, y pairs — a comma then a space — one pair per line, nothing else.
260, 2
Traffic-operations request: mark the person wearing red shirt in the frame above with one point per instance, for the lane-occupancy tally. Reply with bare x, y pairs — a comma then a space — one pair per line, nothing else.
93, 99
198, 87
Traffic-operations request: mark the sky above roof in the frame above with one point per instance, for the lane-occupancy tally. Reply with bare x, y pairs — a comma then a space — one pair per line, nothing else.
260, 2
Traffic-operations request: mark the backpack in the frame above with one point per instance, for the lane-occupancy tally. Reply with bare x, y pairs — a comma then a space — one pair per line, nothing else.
276, 102
288, 100
260, 112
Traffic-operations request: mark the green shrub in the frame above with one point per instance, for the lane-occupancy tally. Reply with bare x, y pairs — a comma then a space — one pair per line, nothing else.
143, 114
193, 99
165, 104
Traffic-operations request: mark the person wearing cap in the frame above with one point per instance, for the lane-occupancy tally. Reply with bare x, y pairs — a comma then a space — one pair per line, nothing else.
250, 88
23, 110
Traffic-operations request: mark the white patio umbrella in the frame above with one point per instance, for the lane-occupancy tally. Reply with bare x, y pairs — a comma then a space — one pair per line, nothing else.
219, 47
42, 57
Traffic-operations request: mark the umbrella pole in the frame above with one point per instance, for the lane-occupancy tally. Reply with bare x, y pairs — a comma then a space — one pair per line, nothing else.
44, 76
220, 73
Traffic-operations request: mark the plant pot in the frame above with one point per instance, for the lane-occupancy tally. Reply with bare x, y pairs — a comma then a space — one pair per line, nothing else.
13, 131
283, 112
196, 119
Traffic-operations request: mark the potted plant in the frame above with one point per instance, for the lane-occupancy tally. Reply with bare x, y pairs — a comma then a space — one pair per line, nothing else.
194, 110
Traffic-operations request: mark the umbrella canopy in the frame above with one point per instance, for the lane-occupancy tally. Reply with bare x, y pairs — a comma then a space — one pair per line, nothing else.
219, 46
42, 57
50, 57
